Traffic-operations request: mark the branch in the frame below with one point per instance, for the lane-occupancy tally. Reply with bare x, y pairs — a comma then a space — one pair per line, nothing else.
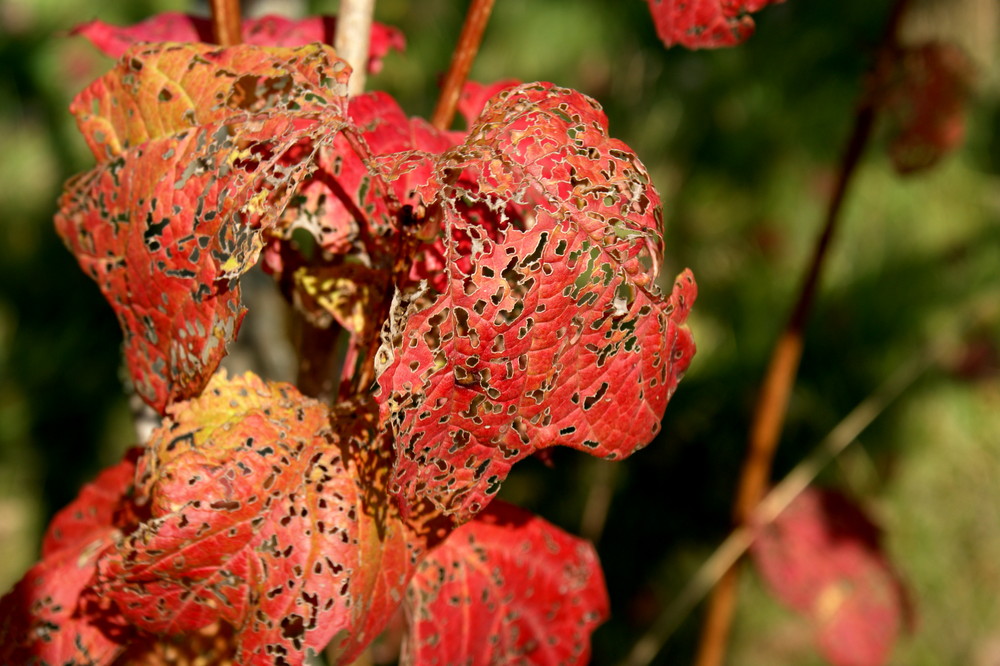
772, 404
461, 62
354, 30
226, 23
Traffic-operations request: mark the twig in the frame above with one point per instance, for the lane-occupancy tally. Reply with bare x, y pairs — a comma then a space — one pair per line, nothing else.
461, 62
226, 23
776, 501
354, 29
772, 404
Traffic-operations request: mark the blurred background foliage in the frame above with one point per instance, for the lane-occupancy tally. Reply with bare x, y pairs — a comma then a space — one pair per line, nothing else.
743, 145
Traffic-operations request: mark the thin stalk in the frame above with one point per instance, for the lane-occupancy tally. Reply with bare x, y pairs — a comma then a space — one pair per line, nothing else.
226, 22
772, 404
776, 501
354, 29
461, 62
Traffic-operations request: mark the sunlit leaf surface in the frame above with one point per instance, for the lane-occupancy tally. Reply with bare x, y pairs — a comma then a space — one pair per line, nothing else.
506, 588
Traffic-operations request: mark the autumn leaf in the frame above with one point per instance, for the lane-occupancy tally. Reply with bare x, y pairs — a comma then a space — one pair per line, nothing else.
266, 514
52, 616
268, 30
345, 293
344, 205
823, 558
925, 98
701, 24
550, 329
200, 149
476, 96
505, 588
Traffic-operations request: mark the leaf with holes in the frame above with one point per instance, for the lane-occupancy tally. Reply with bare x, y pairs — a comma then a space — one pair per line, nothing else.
266, 514
705, 24
345, 293
505, 588
550, 329
52, 616
476, 96
822, 557
345, 205
269, 30
925, 101
199, 150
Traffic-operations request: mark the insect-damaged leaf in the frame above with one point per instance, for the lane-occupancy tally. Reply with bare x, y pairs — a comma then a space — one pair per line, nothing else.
199, 149
822, 557
52, 616
268, 515
115, 40
550, 329
700, 24
345, 205
345, 293
505, 588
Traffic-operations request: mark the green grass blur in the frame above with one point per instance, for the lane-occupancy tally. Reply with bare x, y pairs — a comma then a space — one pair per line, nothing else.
743, 145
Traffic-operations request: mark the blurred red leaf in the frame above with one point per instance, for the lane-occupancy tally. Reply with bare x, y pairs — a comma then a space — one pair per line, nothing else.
269, 30
270, 517
199, 150
550, 329
51, 616
926, 95
105, 502
505, 588
705, 24
823, 558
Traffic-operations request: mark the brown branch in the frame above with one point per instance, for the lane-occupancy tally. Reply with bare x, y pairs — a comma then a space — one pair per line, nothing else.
354, 31
226, 22
772, 404
461, 62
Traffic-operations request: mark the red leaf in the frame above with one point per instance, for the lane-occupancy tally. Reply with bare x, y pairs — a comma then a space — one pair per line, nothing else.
926, 103
822, 557
201, 148
505, 588
51, 616
344, 205
705, 24
550, 330
269, 30
270, 518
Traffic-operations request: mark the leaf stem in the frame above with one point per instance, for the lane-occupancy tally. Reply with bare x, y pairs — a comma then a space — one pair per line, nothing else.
354, 29
461, 62
226, 22
772, 404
